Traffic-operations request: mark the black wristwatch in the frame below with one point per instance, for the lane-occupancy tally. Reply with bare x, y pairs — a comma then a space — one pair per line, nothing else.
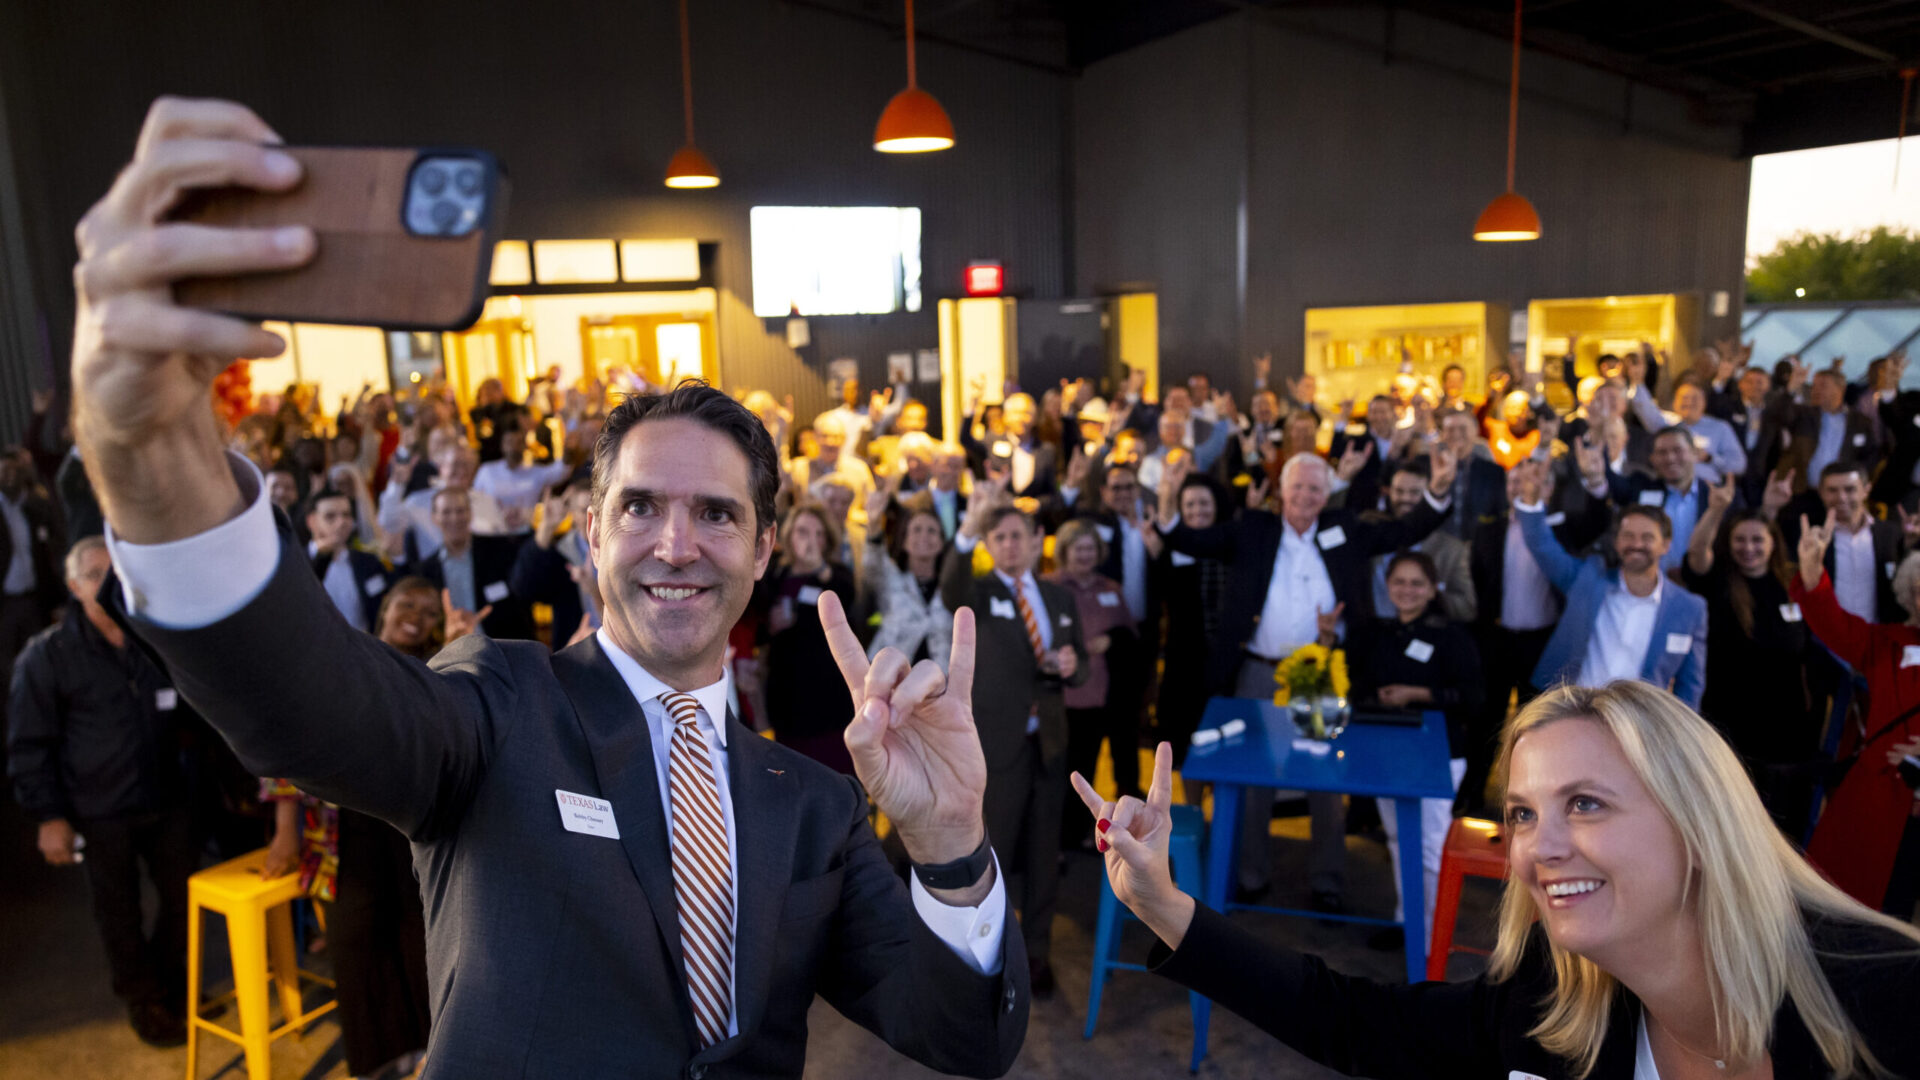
959, 873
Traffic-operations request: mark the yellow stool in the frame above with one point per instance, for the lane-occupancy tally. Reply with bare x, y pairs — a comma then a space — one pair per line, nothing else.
259, 932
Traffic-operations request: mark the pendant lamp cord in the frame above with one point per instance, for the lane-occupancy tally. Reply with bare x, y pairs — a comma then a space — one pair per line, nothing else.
1513, 97
1906, 99
686, 72
911, 72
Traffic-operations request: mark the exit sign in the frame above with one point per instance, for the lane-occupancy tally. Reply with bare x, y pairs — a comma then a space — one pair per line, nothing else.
985, 279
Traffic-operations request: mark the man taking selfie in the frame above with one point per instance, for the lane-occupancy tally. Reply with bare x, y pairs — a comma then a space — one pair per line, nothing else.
620, 879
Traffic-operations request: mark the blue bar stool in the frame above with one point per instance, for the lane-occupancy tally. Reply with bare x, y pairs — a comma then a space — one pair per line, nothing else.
1183, 850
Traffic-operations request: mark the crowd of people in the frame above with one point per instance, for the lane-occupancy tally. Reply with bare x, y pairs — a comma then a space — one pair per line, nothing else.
1745, 539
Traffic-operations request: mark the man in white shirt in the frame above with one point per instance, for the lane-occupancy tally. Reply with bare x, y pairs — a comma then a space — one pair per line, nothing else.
1864, 552
409, 518
515, 482
354, 579
702, 924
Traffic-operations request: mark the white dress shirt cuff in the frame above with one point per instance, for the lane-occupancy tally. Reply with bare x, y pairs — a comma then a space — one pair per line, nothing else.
1526, 507
1439, 502
973, 933
195, 582
964, 543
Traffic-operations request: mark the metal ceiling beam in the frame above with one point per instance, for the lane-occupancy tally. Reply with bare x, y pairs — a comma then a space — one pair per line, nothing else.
1802, 26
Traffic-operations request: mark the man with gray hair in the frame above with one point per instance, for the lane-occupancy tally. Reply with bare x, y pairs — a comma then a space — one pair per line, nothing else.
93, 752
1291, 578
835, 459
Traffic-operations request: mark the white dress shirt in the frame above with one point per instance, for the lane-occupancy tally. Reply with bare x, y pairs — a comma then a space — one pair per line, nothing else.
519, 489
1527, 601
1297, 593
195, 582
400, 512
1854, 585
1617, 648
341, 588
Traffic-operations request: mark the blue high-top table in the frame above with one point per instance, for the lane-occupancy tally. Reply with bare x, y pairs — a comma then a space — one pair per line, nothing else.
1401, 762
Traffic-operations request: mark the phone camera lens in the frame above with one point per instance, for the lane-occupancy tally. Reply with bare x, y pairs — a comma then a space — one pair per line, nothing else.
445, 213
433, 180
467, 181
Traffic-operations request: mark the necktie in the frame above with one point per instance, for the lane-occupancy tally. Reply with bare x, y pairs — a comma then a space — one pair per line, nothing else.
1033, 626
702, 871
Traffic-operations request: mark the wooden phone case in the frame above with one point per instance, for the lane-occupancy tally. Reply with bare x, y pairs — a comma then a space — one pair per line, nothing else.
368, 269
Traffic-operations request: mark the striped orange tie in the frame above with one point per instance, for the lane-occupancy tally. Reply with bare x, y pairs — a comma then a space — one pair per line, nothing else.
702, 871
1033, 625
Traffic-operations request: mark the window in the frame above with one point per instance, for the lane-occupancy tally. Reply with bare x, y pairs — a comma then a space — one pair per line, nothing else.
835, 260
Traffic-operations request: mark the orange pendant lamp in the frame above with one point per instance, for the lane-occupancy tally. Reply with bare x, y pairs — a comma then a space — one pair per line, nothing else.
1510, 216
689, 168
913, 122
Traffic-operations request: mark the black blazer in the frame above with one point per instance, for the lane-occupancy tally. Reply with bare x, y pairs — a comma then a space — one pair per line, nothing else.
540, 576
493, 561
1486, 496
49, 551
1889, 548
1479, 1028
1433, 651
1364, 491
555, 953
1860, 446
1249, 545
370, 576
1901, 420
1007, 680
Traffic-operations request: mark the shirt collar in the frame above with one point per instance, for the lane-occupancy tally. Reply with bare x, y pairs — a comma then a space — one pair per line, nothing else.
313, 550
1019, 586
712, 697
1659, 589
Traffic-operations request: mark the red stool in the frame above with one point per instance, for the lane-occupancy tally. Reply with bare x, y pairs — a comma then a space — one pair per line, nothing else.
1474, 848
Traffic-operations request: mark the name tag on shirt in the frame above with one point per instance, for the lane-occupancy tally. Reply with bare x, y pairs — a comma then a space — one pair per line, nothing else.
1679, 643
1910, 656
166, 699
1558, 517
375, 586
1653, 497
586, 814
1331, 538
495, 592
1183, 559
1790, 612
1106, 533
1700, 442
809, 594
1419, 651
1859, 438
1000, 609
41, 534
1108, 599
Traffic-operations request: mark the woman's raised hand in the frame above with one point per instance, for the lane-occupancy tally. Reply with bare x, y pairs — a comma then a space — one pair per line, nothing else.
1134, 835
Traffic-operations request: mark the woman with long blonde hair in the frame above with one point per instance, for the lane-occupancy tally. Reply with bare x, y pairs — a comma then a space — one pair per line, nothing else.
1655, 926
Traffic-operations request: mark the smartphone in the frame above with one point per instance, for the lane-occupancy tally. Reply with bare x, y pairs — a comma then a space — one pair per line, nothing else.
405, 239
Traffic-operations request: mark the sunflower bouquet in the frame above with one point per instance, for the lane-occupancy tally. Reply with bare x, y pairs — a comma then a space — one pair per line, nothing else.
1313, 682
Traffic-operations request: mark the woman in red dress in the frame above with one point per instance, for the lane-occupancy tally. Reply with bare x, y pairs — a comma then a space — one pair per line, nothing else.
1860, 831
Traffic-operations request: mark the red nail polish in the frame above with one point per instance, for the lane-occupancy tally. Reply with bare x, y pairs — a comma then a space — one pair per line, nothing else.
1105, 824
1103, 846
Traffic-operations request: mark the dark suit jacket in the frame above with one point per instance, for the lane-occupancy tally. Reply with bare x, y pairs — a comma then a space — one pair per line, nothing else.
1889, 547
493, 559
1249, 545
1008, 685
49, 552
370, 576
555, 953
1901, 419
1480, 1028
1364, 492
1860, 446
1486, 495
540, 576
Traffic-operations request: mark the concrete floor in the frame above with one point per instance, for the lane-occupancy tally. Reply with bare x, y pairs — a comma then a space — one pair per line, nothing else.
59, 1020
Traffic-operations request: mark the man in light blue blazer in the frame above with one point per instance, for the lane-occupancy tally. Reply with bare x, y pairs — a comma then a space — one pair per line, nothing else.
1624, 622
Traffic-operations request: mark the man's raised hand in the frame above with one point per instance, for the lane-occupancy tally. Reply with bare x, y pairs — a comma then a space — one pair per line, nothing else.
912, 737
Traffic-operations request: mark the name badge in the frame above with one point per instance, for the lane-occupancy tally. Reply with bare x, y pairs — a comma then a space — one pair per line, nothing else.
495, 592
1653, 497
586, 814
1790, 612
1859, 438
1558, 517
1108, 599
376, 585
1910, 656
1066, 620
166, 699
1331, 538
1419, 651
1679, 644
1106, 533
1000, 609
1182, 559
1700, 443
809, 594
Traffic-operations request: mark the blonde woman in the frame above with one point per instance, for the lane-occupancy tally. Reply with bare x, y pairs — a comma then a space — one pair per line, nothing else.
1655, 926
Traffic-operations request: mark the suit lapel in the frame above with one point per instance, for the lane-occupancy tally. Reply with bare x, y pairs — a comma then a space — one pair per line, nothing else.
764, 824
622, 750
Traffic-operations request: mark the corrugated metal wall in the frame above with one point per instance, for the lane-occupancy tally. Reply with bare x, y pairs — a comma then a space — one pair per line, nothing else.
1365, 167
582, 102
